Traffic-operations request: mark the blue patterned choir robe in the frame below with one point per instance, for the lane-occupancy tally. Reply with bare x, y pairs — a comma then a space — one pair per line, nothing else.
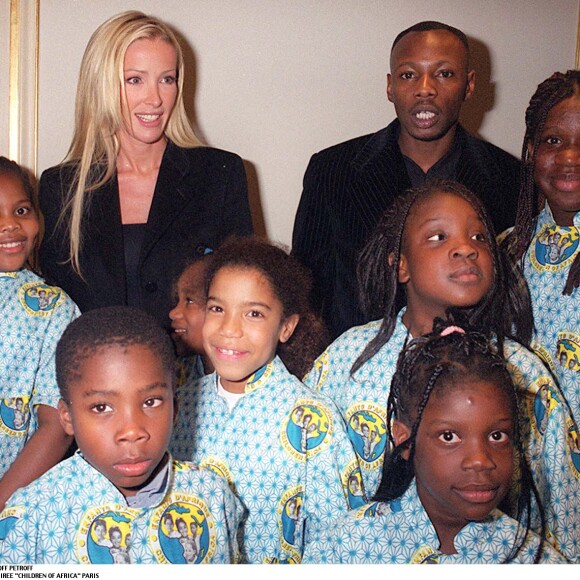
284, 450
547, 263
549, 434
33, 317
74, 515
400, 532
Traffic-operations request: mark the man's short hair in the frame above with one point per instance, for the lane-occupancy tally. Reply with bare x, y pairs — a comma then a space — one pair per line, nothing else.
103, 327
432, 25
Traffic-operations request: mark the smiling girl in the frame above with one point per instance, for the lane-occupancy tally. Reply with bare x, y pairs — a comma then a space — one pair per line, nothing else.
546, 238
33, 316
283, 448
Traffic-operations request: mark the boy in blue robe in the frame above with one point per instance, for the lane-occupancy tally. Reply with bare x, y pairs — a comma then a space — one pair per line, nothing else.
115, 499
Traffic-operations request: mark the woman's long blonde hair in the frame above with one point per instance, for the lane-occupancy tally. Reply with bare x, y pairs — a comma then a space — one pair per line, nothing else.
99, 113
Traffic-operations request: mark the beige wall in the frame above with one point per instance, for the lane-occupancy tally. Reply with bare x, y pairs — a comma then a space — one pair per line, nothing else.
4, 73
277, 80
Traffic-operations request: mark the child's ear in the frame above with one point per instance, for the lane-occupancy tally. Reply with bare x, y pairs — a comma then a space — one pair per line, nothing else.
401, 433
404, 276
288, 327
64, 415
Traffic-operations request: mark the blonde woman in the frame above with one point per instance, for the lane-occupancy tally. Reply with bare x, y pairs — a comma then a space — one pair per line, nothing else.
137, 194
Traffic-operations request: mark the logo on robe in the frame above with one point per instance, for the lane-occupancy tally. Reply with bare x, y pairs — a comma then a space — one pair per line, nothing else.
352, 481
425, 555
544, 354
289, 515
15, 416
379, 508
368, 433
39, 299
568, 350
8, 520
104, 535
307, 430
260, 377
542, 404
573, 447
554, 248
183, 531
218, 466
320, 371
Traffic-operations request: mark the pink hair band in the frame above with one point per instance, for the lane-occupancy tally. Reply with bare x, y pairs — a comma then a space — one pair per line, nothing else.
451, 330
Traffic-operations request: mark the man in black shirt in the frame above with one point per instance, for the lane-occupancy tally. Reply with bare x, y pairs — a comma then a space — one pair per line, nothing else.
347, 187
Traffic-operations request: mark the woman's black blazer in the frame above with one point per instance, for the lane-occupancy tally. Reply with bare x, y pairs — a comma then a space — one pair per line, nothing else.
200, 199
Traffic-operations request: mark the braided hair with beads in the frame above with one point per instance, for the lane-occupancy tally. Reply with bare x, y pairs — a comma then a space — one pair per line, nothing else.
505, 312
554, 90
450, 357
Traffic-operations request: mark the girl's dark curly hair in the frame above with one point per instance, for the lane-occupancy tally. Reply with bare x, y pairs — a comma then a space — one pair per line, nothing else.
554, 90
505, 312
433, 363
9, 167
292, 285
193, 279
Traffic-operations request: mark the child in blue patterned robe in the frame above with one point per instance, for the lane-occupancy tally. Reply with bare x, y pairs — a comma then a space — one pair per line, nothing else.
452, 421
283, 448
56, 519
400, 532
33, 317
121, 498
546, 243
356, 370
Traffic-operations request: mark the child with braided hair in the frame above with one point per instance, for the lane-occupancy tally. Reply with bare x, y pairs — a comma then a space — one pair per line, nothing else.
453, 424
432, 255
545, 240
